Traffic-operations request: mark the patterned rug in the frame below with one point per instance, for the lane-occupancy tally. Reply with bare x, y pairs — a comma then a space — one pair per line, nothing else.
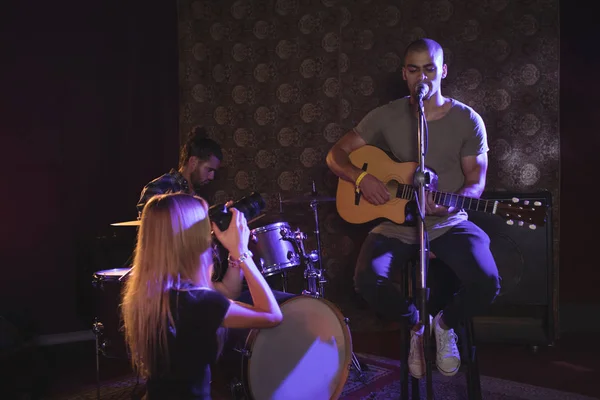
381, 381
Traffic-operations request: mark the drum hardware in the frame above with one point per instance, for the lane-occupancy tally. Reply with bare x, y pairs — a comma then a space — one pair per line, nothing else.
313, 206
358, 366
313, 276
237, 389
244, 352
313, 199
315, 279
308, 199
97, 329
126, 274
136, 222
284, 281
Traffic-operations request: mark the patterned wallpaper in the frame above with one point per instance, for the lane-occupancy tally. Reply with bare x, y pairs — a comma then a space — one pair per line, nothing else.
277, 82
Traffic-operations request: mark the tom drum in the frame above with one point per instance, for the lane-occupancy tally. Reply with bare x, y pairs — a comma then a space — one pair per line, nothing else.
274, 248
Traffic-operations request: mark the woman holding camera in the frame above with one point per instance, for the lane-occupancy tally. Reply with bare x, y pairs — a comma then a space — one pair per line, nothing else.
174, 319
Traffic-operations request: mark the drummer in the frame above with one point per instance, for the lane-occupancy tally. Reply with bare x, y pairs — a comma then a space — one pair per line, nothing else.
199, 159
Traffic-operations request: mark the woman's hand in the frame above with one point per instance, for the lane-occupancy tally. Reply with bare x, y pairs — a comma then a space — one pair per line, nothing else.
235, 237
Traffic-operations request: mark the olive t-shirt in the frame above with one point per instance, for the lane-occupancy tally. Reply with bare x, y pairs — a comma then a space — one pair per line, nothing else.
461, 132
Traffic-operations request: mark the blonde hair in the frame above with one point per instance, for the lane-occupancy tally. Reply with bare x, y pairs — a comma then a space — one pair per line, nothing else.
173, 251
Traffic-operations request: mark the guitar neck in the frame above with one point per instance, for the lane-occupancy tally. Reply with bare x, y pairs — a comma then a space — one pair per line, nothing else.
409, 192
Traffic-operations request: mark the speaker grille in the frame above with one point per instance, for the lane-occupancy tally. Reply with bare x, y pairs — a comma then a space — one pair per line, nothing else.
525, 264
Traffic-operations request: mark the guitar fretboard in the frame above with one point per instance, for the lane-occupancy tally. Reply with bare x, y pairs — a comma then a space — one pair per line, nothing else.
408, 192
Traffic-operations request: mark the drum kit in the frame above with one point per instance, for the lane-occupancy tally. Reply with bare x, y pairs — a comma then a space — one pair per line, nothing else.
309, 355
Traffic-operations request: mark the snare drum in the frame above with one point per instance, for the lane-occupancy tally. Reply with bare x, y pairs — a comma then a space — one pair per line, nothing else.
274, 252
307, 356
108, 285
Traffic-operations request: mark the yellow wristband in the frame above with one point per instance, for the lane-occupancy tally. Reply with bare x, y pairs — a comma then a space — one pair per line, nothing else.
359, 179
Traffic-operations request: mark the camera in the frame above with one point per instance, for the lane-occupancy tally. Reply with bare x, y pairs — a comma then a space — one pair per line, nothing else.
250, 206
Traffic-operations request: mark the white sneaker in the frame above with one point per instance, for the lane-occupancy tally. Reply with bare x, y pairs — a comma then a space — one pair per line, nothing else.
448, 357
416, 356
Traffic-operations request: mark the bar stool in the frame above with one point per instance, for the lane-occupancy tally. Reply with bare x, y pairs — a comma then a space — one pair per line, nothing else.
465, 333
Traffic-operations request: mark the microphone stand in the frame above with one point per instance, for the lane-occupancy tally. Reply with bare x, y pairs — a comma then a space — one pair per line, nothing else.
421, 180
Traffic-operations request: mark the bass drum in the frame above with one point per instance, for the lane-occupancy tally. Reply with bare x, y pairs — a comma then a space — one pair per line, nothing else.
307, 356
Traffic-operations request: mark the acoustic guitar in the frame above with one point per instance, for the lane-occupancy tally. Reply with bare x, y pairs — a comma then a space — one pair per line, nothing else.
398, 178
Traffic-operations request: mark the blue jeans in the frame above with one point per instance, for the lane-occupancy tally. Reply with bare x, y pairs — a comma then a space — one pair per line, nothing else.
465, 249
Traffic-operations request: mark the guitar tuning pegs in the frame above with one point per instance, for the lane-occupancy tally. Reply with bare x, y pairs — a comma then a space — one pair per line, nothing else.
526, 202
521, 223
532, 227
537, 203
515, 199
510, 222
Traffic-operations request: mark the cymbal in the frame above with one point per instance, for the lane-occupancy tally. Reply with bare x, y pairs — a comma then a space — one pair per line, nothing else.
308, 199
256, 218
137, 222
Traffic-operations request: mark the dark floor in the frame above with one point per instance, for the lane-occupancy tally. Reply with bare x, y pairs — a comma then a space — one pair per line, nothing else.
569, 366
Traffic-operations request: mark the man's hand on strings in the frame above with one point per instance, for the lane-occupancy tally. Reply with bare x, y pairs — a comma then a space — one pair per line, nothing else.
431, 208
374, 190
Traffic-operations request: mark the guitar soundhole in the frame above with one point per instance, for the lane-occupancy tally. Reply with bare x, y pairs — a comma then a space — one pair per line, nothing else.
392, 187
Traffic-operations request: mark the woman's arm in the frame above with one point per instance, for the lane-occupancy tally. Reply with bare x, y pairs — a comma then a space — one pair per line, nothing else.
265, 312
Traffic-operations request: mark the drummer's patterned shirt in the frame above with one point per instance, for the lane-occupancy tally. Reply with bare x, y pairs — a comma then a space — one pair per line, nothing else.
171, 182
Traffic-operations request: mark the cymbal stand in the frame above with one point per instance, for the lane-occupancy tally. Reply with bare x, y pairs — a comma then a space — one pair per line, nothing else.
314, 205
284, 281
315, 282
97, 329
314, 275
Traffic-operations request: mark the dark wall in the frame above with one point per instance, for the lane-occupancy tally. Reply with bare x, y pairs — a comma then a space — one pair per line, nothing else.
579, 142
88, 114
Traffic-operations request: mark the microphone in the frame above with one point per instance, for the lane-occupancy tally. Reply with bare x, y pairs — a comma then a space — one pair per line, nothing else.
421, 90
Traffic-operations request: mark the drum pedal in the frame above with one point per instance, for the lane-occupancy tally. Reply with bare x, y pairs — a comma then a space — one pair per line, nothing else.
237, 390
359, 369
358, 366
